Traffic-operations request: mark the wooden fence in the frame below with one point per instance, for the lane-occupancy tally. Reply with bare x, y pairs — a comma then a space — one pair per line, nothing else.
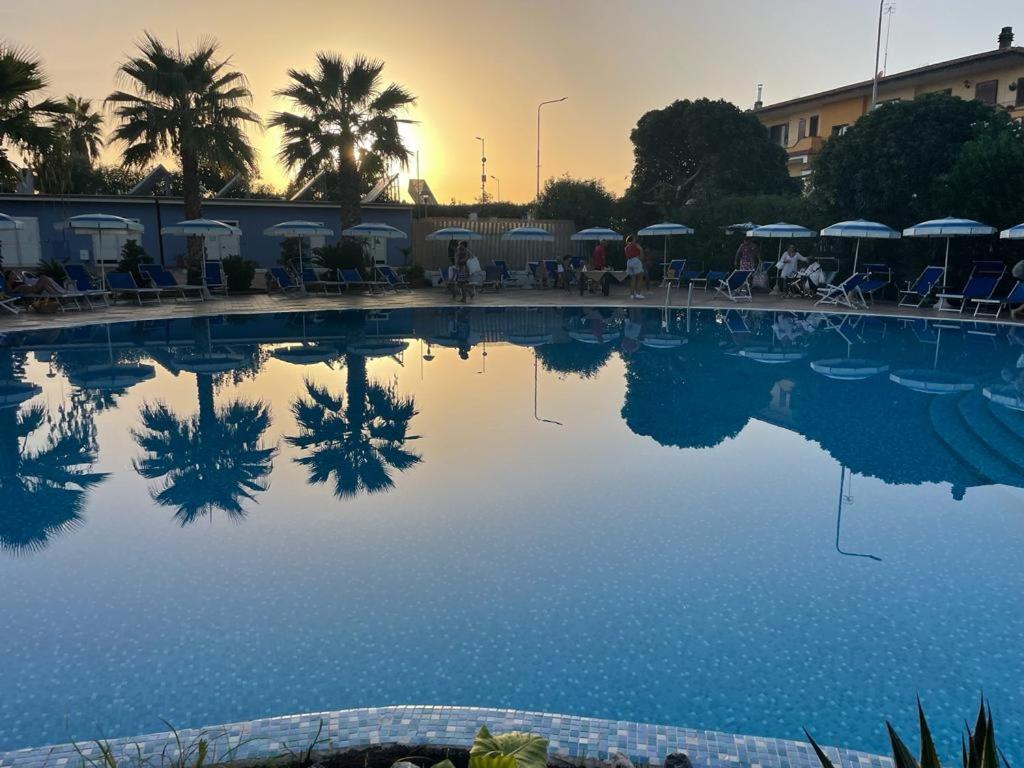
434, 254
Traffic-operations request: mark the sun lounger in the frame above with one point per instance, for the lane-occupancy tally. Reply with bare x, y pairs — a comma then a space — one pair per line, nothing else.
391, 278
846, 293
82, 282
165, 281
712, 278
314, 282
673, 274
351, 278
284, 280
879, 276
123, 284
981, 284
736, 287
9, 302
215, 282
504, 276
999, 303
917, 292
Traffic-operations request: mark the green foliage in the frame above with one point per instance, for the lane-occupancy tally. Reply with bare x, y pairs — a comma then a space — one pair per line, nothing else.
508, 750
892, 165
986, 181
979, 748
289, 256
132, 255
346, 254
696, 150
51, 268
585, 202
415, 274
238, 272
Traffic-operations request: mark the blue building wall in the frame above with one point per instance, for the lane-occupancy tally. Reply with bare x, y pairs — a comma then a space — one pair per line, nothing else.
253, 216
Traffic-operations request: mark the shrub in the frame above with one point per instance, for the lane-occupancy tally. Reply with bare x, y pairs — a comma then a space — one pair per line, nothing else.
347, 254
132, 255
51, 268
238, 272
415, 274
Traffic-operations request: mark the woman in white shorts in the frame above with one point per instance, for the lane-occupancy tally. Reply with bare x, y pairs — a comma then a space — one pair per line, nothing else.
634, 267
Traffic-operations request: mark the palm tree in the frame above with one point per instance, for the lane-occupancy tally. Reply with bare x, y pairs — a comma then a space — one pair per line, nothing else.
346, 125
213, 460
189, 105
23, 116
65, 163
357, 438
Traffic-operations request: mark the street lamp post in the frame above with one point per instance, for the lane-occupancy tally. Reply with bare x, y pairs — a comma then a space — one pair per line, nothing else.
552, 101
483, 169
878, 51
497, 181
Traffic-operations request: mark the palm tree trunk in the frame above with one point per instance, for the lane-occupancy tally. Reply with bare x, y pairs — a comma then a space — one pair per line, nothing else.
193, 203
349, 192
355, 392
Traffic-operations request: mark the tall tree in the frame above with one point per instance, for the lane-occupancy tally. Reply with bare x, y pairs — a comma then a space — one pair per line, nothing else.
892, 164
699, 149
585, 202
24, 116
189, 105
66, 163
345, 124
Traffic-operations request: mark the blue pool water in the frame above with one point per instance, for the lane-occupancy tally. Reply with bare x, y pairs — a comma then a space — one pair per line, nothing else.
749, 522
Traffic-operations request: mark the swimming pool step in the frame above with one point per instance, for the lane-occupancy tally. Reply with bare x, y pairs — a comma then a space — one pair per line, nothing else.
1009, 418
1002, 439
951, 427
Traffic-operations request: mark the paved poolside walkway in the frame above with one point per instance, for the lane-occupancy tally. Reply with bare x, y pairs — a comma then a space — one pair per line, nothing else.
433, 298
570, 738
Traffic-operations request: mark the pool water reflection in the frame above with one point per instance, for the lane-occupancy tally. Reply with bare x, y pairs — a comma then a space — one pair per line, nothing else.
733, 520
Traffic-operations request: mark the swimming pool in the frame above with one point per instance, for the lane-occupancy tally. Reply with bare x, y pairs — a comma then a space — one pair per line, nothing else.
739, 521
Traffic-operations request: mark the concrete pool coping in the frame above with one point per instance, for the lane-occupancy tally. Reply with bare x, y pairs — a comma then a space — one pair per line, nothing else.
426, 298
573, 738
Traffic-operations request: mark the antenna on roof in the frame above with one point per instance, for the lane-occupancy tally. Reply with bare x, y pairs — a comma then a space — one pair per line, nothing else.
890, 11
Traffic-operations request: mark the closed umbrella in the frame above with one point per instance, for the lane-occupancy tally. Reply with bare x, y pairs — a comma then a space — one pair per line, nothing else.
454, 233
666, 229
780, 231
948, 228
99, 224
860, 229
10, 224
203, 228
299, 229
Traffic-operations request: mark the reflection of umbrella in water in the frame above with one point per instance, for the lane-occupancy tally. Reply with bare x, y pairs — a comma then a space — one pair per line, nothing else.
1005, 395
772, 355
848, 368
382, 348
663, 341
530, 339
306, 354
847, 497
932, 381
111, 377
589, 337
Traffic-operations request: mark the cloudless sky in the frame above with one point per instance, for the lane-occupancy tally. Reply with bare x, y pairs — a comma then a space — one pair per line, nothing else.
479, 67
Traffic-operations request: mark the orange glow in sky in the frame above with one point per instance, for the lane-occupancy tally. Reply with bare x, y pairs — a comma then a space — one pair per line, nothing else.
480, 67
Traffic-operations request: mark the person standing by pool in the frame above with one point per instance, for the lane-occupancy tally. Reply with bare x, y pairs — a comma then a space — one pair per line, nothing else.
634, 267
788, 266
599, 258
748, 255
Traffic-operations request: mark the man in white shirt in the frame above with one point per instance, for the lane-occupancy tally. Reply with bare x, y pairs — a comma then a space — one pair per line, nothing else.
789, 265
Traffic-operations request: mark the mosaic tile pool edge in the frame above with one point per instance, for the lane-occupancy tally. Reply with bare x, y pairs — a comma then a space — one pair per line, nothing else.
571, 737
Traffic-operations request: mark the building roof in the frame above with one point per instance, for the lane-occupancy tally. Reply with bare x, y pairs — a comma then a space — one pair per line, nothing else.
975, 60
211, 201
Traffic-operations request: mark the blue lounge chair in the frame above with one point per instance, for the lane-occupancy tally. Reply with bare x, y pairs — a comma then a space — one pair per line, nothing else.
165, 281
999, 303
537, 272
392, 279
846, 293
879, 276
215, 282
81, 281
981, 284
123, 284
351, 278
551, 270
504, 276
577, 263
314, 282
673, 274
285, 282
736, 287
918, 292
713, 277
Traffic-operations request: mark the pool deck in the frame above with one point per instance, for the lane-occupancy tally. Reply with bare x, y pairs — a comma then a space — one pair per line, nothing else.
575, 739
435, 297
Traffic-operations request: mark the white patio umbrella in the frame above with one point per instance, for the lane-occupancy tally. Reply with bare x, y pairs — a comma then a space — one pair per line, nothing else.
860, 229
1013, 233
371, 229
299, 229
666, 229
10, 224
948, 228
99, 224
596, 233
528, 234
781, 231
454, 233
203, 228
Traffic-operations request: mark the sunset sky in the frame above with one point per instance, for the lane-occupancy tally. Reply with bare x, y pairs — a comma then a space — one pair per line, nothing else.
479, 68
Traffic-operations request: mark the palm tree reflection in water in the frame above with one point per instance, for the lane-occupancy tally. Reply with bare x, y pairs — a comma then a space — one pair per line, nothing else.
356, 439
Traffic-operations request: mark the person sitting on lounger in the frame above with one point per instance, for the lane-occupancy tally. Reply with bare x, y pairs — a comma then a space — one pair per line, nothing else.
809, 279
20, 284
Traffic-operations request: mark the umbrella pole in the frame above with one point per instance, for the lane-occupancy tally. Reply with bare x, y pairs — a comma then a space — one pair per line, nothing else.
945, 277
202, 270
302, 283
778, 271
856, 256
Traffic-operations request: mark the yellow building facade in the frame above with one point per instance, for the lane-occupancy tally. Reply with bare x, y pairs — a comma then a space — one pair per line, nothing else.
804, 124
